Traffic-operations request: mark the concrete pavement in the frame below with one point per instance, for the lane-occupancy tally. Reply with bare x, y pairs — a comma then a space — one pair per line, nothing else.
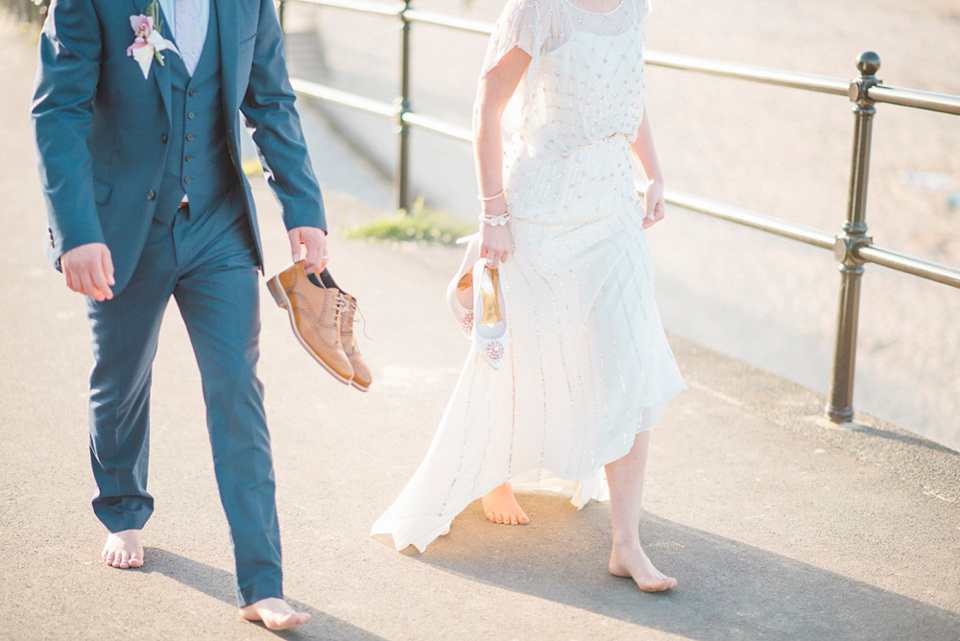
778, 525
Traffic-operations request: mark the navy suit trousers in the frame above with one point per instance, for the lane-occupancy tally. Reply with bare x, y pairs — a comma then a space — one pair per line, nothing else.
208, 264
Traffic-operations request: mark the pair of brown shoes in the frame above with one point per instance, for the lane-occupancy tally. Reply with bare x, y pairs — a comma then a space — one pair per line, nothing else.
322, 315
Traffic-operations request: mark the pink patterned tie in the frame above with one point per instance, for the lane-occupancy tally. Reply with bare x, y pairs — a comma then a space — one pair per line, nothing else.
188, 34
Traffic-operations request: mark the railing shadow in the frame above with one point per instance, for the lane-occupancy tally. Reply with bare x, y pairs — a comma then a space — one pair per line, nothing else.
217, 584
728, 590
906, 439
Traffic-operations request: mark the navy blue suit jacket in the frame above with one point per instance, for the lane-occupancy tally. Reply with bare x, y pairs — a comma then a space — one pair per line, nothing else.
101, 128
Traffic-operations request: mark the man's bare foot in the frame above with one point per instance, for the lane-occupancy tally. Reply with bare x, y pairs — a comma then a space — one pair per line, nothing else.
500, 506
632, 562
274, 613
123, 550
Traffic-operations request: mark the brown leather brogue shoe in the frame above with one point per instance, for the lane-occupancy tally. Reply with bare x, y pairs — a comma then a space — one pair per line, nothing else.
314, 313
361, 373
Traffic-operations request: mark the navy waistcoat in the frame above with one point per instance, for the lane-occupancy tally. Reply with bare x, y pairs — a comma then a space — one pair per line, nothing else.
198, 161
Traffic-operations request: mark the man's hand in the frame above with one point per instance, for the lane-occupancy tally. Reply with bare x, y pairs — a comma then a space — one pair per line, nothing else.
88, 269
309, 243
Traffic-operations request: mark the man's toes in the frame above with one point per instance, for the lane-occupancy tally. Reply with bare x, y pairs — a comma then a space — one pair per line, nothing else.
135, 561
524, 519
513, 520
279, 621
124, 559
303, 617
499, 518
285, 621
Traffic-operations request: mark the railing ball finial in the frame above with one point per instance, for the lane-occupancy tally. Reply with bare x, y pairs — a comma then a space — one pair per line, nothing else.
868, 63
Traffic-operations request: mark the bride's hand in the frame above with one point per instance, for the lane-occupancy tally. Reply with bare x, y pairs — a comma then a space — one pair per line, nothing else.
653, 203
496, 244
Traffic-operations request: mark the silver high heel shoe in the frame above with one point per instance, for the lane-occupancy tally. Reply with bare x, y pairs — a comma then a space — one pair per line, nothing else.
491, 335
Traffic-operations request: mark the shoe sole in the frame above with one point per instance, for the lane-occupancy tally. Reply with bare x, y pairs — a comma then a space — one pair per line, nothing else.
360, 387
280, 297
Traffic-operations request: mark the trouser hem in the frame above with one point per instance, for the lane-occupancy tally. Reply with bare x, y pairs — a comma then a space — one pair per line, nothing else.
266, 590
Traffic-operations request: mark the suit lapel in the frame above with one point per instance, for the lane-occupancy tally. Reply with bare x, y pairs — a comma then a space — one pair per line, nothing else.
141, 6
160, 72
229, 40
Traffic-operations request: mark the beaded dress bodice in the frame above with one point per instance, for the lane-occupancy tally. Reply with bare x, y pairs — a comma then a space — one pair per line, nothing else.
579, 106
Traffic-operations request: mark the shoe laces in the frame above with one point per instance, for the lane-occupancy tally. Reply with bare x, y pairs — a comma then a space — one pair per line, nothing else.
340, 307
350, 304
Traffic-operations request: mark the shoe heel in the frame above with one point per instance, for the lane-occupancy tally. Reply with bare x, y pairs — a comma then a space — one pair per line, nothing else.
276, 290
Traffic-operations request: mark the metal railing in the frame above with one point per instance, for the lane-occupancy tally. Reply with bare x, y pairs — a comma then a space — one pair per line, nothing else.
852, 247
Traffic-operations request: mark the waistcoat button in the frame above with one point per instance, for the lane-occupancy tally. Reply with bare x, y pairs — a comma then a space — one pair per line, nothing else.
151, 195
188, 180
191, 115
163, 138
190, 136
193, 92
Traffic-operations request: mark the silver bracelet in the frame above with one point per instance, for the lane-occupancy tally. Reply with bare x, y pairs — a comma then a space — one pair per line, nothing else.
485, 199
495, 221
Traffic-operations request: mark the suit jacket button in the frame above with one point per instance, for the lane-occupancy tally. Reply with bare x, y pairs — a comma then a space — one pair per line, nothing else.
163, 138
151, 195
193, 92
188, 180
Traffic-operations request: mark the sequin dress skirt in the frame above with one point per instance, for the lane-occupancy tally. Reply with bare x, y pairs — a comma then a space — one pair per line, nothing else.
588, 365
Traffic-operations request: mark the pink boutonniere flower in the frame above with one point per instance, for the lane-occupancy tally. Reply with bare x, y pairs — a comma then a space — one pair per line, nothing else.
147, 42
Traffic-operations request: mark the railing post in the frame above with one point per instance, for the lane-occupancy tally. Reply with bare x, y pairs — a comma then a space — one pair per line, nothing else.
850, 240
401, 128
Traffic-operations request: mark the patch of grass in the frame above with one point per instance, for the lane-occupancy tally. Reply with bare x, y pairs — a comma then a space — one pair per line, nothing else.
420, 225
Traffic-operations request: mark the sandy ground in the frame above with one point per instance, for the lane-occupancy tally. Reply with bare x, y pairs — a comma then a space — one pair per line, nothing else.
782, 152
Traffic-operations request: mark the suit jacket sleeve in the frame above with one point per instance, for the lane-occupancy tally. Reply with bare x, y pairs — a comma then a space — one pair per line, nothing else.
268, 107
62, 114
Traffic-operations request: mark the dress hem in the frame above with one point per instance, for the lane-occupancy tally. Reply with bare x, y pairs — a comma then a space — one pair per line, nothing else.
421, 542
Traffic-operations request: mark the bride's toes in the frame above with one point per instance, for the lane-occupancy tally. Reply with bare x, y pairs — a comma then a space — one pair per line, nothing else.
500, 506
635, 564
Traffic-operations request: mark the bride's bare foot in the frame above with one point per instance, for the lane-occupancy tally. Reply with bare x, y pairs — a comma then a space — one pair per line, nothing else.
631, 561
500, 506
123, 550
275, 614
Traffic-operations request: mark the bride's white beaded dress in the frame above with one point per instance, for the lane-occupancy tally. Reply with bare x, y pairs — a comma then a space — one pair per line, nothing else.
588, 365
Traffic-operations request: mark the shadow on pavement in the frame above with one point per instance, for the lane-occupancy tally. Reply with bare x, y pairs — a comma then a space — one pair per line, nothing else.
728, 590
896, 436
218, 584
